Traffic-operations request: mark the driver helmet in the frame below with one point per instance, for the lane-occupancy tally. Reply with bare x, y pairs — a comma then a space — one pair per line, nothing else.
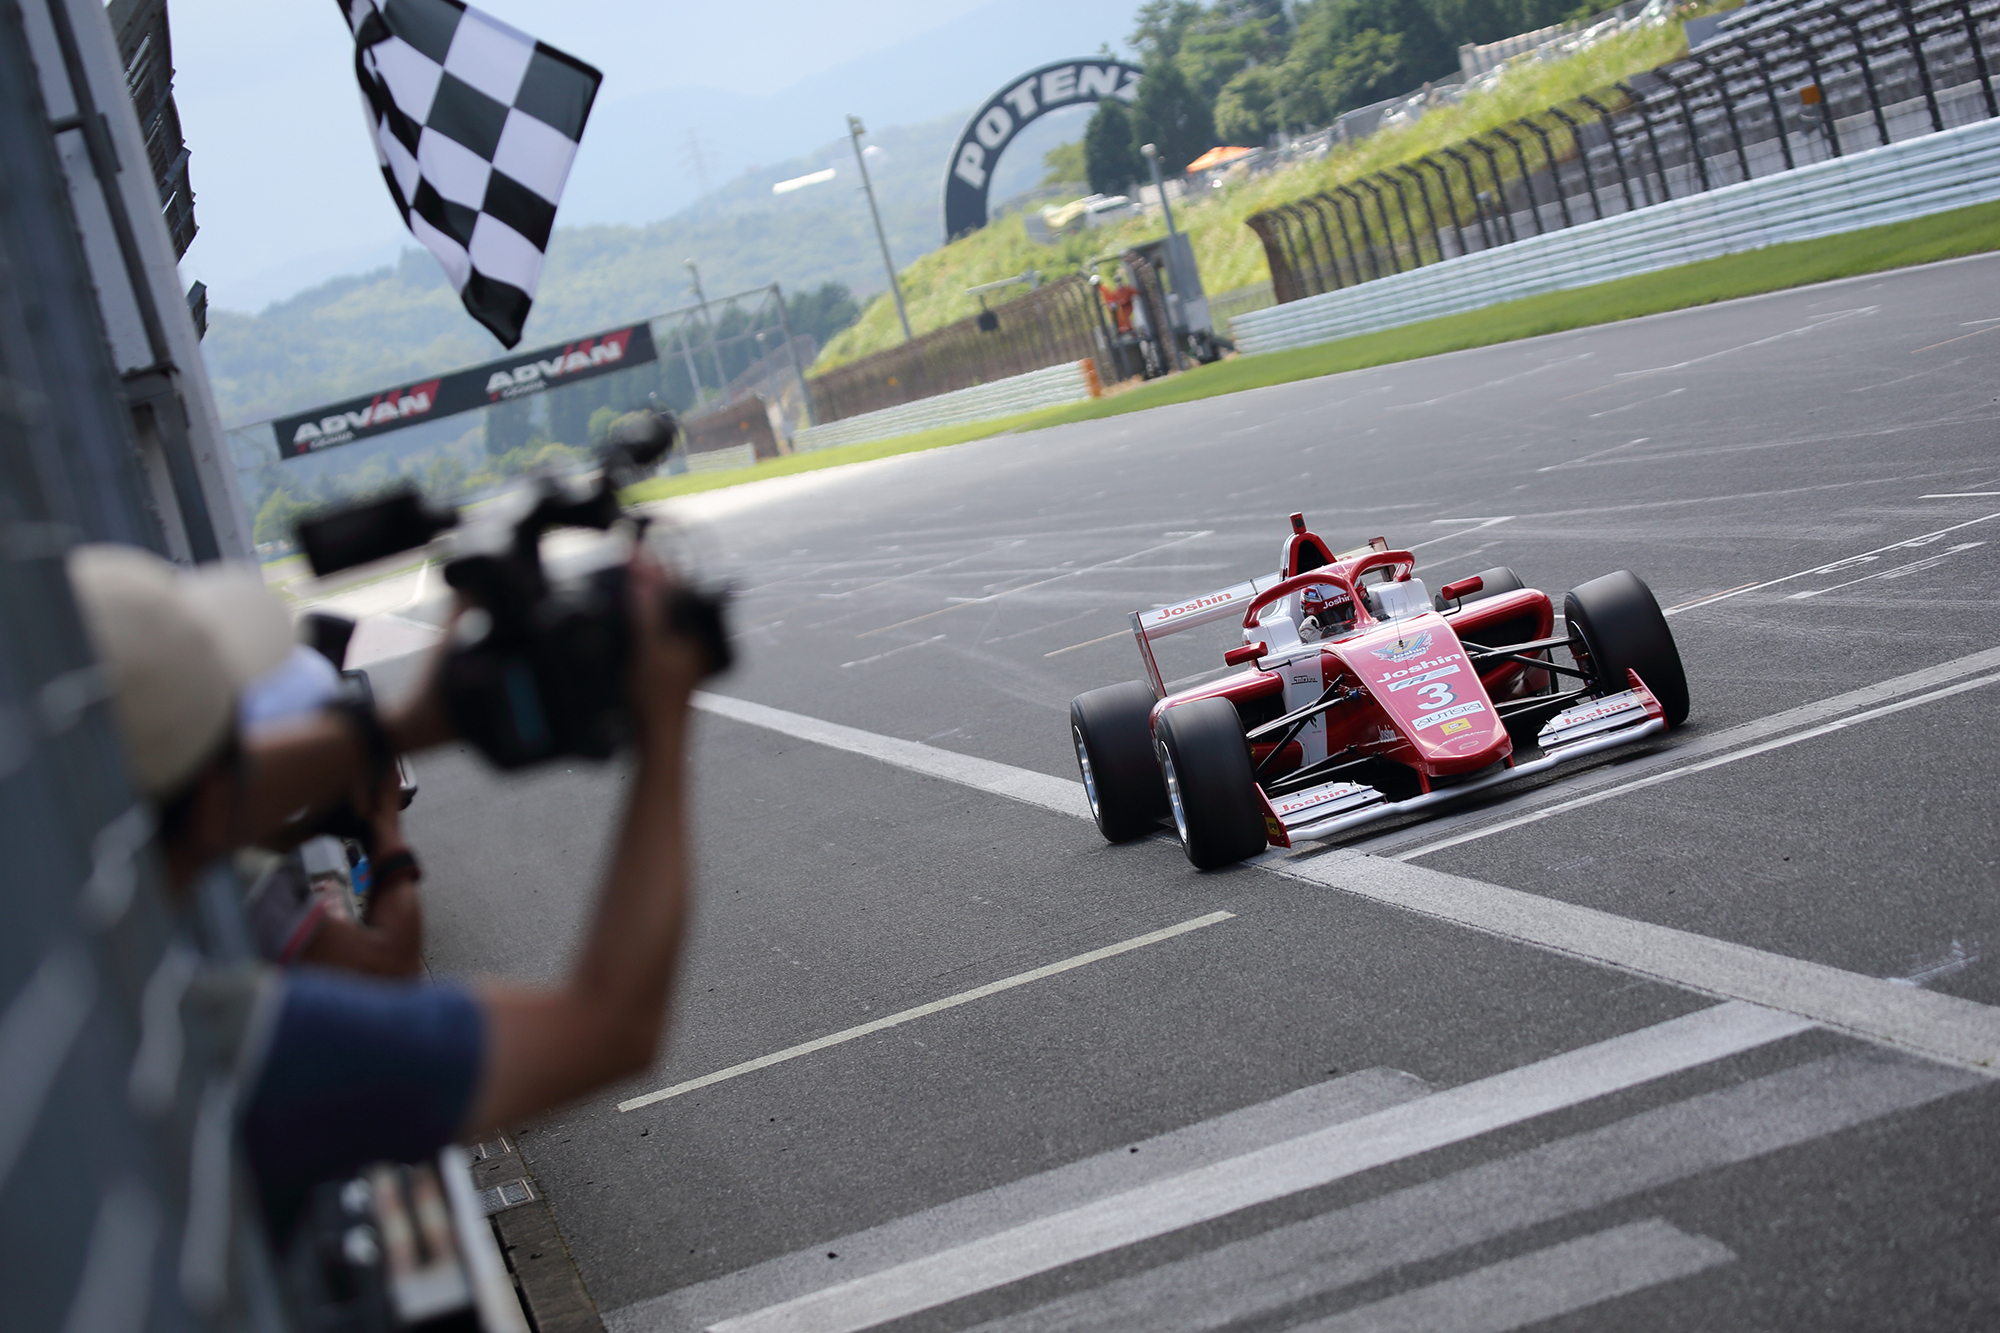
1324, 608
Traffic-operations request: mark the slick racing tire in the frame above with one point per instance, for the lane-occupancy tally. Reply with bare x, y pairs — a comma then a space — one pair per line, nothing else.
1211, 787
1621, 627
1112, 729
1492, 582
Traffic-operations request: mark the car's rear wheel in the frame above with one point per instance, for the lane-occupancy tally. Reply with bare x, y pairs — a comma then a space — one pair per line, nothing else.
1211, 787
1113, 733
1492, 582
1621, 627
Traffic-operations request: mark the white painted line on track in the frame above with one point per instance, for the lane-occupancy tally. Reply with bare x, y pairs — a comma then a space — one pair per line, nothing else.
1308, 1162
1923, 539
1654, 780
1544, 1285
1062, 795
1953, 1031
1899, 571
1938, 1027
1179, 540
1114, 634
925, 1010
1961, 495
921, 643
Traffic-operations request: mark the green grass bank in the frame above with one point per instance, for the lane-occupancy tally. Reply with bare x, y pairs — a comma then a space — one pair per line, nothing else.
1964, 231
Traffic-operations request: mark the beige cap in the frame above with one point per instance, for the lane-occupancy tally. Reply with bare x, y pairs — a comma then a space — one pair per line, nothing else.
179, 646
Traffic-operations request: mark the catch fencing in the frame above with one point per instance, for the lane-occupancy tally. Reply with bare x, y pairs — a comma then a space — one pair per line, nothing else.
1905, 180
1783, 86
1063, 321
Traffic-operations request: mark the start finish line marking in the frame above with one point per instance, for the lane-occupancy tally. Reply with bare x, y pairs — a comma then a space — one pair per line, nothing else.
924, 1010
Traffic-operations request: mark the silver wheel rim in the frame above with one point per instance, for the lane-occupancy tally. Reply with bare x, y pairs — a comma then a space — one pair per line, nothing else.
1174, 794
1089, 777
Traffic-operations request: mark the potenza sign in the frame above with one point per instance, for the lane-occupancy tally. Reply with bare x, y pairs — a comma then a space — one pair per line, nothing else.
463, 390
987, 134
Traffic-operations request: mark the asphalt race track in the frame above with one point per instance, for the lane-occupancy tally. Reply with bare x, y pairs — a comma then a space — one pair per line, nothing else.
1698, 1038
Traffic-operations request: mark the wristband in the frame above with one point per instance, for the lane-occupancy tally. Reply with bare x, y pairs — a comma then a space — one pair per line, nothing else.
401, 862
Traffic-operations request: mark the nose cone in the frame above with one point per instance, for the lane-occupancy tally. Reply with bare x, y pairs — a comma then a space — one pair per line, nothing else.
1419, 676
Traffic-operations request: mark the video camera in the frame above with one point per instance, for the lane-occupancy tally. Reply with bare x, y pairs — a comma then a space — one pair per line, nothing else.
543, 672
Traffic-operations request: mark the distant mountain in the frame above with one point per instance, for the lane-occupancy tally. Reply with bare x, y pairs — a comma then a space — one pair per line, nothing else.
365, 331
955, 66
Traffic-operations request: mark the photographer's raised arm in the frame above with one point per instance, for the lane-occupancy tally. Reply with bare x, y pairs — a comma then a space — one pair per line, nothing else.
312, 762
545, 1047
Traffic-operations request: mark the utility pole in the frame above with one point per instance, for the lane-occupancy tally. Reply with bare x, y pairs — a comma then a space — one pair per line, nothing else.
714, 353
855, 130
1152, 156
687, 355
792, 351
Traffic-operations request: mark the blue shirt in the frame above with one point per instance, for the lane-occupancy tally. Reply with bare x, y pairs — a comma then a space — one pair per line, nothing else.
358, 1071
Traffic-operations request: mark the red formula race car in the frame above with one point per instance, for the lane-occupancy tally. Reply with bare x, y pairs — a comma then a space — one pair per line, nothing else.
1363, 698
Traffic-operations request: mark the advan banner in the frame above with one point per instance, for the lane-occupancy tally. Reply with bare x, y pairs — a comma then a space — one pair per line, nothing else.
464, 390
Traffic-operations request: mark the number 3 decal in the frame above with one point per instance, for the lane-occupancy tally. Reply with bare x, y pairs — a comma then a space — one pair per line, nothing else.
1436, 694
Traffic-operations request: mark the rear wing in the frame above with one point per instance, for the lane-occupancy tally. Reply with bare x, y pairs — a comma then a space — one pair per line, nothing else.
1206, 609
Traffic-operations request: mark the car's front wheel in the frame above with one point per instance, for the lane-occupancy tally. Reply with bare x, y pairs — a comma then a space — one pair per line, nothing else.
1621, 627
1112, 730
1211, 786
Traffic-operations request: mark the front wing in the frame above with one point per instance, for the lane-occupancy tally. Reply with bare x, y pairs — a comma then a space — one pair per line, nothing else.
1588, 728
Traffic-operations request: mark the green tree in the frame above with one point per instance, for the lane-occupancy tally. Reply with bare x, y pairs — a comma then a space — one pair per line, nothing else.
1110, 163
1349, 53
278, 518
444, 478
1172, 116
1064, 163
600, 423
1253, 106
823, 311
1224, 42
1160, 26
507, 426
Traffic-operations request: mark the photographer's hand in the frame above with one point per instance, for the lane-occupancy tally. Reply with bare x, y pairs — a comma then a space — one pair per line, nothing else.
390, 942
420, 720
605, 1022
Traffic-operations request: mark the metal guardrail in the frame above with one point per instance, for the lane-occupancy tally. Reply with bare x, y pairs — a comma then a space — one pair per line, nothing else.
1062, 321
1784, 85
1889, 184
1068, 382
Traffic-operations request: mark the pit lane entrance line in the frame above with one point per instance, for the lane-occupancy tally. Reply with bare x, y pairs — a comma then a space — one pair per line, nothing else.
925, 1010
1938, 1027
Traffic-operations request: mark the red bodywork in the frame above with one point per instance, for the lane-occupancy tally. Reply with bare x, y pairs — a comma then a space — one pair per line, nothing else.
1416, 698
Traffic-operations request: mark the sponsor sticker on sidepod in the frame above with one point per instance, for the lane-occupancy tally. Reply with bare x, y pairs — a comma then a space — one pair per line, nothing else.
1446, 714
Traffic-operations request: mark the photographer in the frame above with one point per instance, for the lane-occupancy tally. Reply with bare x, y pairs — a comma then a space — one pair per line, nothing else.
355, 1070
299, 902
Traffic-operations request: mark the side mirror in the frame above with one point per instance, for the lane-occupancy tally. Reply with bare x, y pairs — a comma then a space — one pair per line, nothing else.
1249, 652
1451, 592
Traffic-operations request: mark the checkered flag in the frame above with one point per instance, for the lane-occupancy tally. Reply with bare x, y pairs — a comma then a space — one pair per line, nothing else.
475, 125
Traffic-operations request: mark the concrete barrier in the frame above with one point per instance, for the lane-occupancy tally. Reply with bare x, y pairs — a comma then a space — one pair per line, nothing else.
1889, 184
1070, 382
722, 460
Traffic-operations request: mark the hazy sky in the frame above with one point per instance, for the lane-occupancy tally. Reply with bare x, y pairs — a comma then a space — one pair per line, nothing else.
283, 173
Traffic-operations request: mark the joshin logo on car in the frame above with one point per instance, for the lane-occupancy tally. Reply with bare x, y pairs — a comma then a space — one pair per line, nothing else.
1405, 648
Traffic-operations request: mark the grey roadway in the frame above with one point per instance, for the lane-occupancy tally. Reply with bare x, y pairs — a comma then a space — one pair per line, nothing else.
959, 598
